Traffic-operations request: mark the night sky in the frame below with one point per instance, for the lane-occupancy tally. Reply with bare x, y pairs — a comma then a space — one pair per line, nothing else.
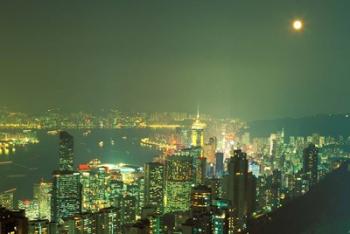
238, 58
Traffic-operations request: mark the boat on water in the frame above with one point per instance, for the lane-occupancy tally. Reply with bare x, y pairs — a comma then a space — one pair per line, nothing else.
53, 132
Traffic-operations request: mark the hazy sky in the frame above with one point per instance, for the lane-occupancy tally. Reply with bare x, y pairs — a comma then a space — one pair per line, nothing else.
237, 58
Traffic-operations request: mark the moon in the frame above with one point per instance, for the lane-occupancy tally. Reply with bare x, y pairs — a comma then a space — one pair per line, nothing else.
297, 25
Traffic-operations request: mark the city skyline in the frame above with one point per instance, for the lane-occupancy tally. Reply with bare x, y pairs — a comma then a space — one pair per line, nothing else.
174, 117
232, 58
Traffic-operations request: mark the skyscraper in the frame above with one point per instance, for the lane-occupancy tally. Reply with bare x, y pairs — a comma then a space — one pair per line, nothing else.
128, 209
219, 164
201, 197
235, 188
154, 185
200, 164
197, 132
66, 147
66, 195
66, 187
200, 220
179, 179
94, 184
209, 149
6, 199
108, 220
310, 163
42, 194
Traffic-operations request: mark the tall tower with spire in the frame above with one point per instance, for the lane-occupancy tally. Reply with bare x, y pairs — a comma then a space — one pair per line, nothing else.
197, 131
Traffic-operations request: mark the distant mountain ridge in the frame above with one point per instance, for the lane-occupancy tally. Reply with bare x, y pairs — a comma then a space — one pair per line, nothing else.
329, 125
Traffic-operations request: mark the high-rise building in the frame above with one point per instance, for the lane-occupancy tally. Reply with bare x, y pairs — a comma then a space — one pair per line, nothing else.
275, 187
220, 216
219, 164
108, 220
42, 194
79, 223
66, 195
6, 199
66, 147
128, 209
201, 197
215, 184
66, 188
154, 185
116, 188
251, 194
200, 169
155, 219
209, 149
101, 222
95, 193
136, 190
179, 179
235, 188
310, 163
183, 137
200, 220
198, 132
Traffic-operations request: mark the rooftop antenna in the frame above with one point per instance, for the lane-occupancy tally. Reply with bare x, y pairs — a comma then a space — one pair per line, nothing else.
197, 111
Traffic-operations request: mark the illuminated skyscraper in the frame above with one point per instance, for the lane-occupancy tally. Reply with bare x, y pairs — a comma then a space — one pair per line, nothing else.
200, 220
200, 167
276, 149
136, 191
198, 132
79, 223
105, 221
94, 189
201, 197
108, 221
42, 194
66, 152
179, 179
66, 195
310, 163
154, 185
115, 187
220, 216
66, 187
6, 199
128, 209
